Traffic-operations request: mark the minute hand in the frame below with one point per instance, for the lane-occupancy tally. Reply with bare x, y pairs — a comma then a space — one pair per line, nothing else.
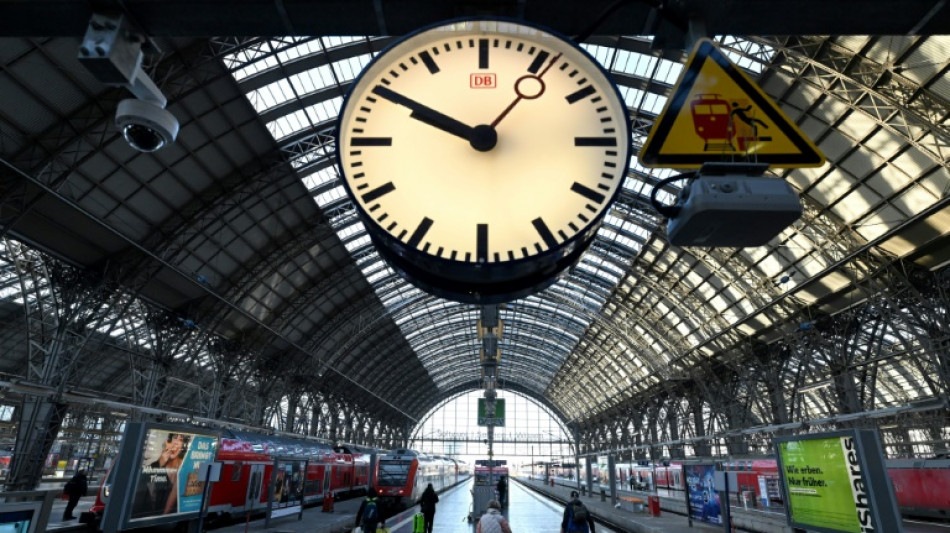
426, 114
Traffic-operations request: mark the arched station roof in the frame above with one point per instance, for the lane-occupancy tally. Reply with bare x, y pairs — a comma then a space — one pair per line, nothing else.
233, 259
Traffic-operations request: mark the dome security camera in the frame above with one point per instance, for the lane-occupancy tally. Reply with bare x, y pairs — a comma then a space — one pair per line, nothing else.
145, 126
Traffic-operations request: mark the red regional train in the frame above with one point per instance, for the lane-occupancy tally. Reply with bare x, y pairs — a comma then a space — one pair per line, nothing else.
247, 463
922, 486
402, 475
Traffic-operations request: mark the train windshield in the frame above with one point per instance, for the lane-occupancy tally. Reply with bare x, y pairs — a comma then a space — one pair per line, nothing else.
393, 473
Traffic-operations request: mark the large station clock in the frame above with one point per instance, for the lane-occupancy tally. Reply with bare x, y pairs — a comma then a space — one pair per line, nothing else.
482, 156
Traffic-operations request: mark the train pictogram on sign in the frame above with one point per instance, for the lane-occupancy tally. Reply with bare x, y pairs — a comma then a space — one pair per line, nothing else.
717, 113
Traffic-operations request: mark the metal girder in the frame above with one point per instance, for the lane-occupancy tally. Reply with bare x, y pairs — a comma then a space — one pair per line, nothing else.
63, 307
362, 17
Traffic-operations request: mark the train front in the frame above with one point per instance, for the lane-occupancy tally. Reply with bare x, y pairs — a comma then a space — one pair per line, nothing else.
395, 478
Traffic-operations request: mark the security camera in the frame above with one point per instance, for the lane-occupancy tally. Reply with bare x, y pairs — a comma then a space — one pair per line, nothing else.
145, 125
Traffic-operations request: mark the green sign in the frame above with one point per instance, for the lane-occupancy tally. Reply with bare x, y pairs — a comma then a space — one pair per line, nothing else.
484, 417
824, 485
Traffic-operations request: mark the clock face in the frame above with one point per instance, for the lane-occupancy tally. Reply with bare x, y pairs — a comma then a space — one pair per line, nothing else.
483, 150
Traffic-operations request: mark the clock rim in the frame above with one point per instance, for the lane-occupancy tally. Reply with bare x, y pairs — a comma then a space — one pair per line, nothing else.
573, 247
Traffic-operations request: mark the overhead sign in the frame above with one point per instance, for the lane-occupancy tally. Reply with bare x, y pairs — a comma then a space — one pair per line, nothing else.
484, 417
716, 112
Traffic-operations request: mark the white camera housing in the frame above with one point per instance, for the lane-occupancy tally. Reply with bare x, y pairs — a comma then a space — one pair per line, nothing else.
145, 125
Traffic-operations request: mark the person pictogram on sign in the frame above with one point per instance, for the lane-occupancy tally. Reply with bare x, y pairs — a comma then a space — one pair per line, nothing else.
747, 130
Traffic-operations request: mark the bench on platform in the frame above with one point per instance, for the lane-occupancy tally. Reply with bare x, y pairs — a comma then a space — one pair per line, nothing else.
634, 505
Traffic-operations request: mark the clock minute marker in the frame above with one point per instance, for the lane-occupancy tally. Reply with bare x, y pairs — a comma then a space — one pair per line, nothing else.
544, 232
420, 232
481, 243
588, 193
371, 141
595, 141
483, 53
378, 192
535, 65
429, 62
580, 94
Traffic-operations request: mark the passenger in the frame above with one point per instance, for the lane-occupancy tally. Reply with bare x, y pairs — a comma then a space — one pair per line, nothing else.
75, 488
493, 521
370, 515
502, 491
576, 516
427, 506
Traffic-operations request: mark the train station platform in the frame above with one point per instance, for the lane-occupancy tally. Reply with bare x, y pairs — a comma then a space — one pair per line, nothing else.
533, 508
619, 518
527, 512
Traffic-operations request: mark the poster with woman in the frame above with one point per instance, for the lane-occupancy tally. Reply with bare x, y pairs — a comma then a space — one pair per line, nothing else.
168, 480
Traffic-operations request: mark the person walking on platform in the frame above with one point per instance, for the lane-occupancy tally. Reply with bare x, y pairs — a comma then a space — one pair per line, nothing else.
493, 521
75, 488
576, 516
427, 506
370, 516
502, 491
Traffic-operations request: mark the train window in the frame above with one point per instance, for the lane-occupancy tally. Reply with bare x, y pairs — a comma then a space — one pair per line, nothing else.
393, 473
236, 470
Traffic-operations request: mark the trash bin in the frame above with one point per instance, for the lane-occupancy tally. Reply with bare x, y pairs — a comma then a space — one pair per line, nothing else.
654, 503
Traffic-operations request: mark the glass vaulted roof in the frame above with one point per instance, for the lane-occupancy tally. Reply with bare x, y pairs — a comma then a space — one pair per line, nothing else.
633, 311
241, 233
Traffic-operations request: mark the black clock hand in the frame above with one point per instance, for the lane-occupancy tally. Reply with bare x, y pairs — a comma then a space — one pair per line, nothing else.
482, 137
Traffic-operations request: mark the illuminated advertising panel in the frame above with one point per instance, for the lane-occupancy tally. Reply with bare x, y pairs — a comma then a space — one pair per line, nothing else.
836, 482
157, 477
703, 497
168, 476
287, 482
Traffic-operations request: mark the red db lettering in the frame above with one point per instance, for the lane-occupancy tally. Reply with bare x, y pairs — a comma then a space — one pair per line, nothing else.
481, 81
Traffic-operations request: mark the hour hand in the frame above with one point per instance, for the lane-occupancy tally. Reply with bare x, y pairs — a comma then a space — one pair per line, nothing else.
481, 137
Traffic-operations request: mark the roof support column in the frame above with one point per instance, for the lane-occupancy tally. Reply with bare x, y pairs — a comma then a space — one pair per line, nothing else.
701, 448
63, 306
677, 451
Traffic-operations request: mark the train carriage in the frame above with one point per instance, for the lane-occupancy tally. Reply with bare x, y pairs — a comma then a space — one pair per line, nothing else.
402, 475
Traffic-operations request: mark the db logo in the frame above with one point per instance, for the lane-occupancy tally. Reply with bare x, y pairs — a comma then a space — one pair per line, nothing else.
481, 81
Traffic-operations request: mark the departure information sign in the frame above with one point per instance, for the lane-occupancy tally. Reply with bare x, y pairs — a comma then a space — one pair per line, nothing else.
836, 482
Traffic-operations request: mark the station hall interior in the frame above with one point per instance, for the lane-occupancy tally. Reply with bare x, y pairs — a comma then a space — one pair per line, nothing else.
226, 280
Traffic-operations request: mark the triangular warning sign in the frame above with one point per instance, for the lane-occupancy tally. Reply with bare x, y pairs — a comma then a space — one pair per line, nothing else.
716, 113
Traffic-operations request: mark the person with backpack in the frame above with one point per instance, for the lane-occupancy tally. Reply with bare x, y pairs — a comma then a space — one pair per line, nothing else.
576, 516
493, 521
75, 488
370, 516
427, 506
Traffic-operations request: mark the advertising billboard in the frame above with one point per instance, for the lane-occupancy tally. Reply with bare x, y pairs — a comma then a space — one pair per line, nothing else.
287, 480
157, 477
168, 473
836, 482
703, 497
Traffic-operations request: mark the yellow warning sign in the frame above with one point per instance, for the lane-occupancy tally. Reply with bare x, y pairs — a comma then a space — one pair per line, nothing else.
717, 113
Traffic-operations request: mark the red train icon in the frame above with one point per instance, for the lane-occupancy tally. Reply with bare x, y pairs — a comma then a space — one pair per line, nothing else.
722, 125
